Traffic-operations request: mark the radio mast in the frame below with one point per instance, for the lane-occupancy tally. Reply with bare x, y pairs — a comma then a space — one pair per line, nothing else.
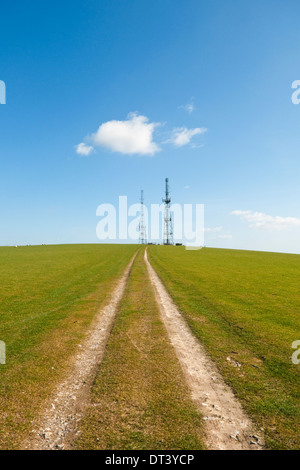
168, 231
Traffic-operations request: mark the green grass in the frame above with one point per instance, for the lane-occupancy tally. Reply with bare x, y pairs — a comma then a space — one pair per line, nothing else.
244, 306
140, 400
48, 297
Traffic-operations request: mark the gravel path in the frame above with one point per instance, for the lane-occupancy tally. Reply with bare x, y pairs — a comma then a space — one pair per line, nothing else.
57, 427
227, 425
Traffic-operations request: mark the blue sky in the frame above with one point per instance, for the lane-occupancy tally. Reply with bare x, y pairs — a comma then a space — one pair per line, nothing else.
210, 85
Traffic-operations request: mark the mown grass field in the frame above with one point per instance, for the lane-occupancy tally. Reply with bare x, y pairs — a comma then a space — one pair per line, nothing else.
140, 399
245, 307
48, 297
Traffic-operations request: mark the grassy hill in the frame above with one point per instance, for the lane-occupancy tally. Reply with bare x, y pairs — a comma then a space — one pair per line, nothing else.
244, 306
48, 297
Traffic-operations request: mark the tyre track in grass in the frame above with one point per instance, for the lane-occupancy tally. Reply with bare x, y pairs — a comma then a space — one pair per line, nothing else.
227, 425
57, 426
140, 400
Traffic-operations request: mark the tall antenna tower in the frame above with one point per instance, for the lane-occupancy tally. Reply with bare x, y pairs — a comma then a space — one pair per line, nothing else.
143, 236
168, 231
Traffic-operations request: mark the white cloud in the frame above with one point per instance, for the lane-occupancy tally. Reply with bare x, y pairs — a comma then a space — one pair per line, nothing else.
224, 236
216, 233
183, 136
187, 187
263, 221
134, 136
189, 107
213, 230
83, 149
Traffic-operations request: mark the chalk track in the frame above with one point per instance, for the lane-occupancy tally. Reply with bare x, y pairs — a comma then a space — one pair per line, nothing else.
57, 427
227, 425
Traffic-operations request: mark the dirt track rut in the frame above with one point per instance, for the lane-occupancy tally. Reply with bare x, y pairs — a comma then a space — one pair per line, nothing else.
57, 427
227, 425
